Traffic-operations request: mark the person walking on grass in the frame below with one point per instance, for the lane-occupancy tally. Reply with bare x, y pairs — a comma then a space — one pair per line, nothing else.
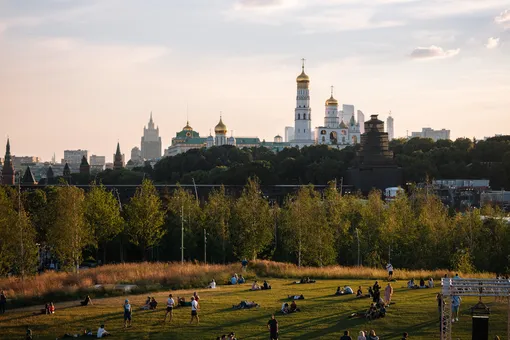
388, 293
272, 326
244, 264
346, 336
170, 303
127, 313
389, 268
194, 310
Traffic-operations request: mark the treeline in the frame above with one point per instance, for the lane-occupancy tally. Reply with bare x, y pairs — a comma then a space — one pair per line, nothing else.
310, 228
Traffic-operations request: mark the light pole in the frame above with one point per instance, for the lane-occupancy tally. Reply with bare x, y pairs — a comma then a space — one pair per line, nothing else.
182, 234
205, 247
357, 236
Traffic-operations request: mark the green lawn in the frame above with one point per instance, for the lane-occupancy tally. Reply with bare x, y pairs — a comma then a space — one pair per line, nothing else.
323, 315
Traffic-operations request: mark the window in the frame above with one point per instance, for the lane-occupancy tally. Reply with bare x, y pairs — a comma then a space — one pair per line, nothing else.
304, 115
298, 116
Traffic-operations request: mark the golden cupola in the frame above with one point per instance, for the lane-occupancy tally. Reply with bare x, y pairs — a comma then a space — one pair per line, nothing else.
187, 127
220, 129
303, 78
331, 101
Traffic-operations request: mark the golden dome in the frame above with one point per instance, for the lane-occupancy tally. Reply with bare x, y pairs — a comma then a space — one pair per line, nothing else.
331, 101
303, 77
220, 128
187, 127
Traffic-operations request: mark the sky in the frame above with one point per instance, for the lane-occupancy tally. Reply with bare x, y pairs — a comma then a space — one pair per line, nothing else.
84, 74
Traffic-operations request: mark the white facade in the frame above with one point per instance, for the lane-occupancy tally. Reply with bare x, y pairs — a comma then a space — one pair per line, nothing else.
74, 156
289, 133
136, 155
389, 127
303, 134
435, 135
335, 132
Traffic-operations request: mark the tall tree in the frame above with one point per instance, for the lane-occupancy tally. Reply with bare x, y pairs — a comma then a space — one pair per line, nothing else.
145, 217
185, 223
252, 222
69, 234
217, 216
102, 215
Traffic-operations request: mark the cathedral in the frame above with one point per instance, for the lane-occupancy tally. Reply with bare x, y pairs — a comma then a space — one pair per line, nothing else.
340, 127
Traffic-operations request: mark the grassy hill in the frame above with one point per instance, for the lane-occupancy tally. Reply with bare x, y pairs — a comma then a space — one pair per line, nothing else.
322, 316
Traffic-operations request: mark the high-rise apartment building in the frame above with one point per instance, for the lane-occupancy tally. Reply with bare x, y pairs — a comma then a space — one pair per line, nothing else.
361, 121
151, 142
289, 133
97, 160
73, 157
390, 128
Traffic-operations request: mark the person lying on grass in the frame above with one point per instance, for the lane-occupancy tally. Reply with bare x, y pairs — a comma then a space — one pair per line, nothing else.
255, 286
305, 280
296, 297
87, 301
246, 305
345, 291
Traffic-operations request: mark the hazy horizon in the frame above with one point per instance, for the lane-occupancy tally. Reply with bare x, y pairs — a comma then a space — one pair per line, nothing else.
85, 74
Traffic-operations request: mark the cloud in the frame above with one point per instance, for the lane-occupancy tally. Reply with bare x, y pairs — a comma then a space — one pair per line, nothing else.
259, 3
492, 43
433, 52
503, 17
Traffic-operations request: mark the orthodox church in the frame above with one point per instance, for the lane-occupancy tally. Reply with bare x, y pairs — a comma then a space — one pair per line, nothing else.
340, 127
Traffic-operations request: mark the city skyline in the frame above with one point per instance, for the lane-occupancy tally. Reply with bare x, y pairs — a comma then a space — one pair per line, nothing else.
86, 74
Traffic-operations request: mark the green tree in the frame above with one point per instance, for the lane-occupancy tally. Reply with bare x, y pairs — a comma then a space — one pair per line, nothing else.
145, 218
102, 215
184, 212
252, 222
217, 219
68, 234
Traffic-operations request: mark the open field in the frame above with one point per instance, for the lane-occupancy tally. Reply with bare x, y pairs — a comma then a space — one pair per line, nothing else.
323, 315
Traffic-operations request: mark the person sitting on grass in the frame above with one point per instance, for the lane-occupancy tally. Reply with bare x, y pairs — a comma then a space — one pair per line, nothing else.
233, 280
183, 303
51, 308
212, 284
359, 293
422, 284
293, 307
241, 280
28, 336
345, 291
87, 301
405, 336
45, 310
265, 285
372, 336
255, 286
102, 333
153, 304
246, 305
370, 292
411, 284
232, 336
296, 297
431, 283
285, 308
147, 304
346, 336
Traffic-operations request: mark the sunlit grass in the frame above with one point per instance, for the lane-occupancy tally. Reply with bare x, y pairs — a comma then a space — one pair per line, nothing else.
323, 315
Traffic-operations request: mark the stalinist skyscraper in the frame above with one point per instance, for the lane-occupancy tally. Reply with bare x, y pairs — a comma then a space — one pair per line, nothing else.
303, 133
151, 142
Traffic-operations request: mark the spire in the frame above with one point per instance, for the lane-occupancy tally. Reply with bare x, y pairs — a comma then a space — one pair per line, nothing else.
332, 88
117, 159
67, 170
8, 169
303, 64
84, 166
49, 173
28, 177
150, 121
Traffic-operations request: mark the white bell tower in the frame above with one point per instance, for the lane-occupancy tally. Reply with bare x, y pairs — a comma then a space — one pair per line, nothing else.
303, 134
